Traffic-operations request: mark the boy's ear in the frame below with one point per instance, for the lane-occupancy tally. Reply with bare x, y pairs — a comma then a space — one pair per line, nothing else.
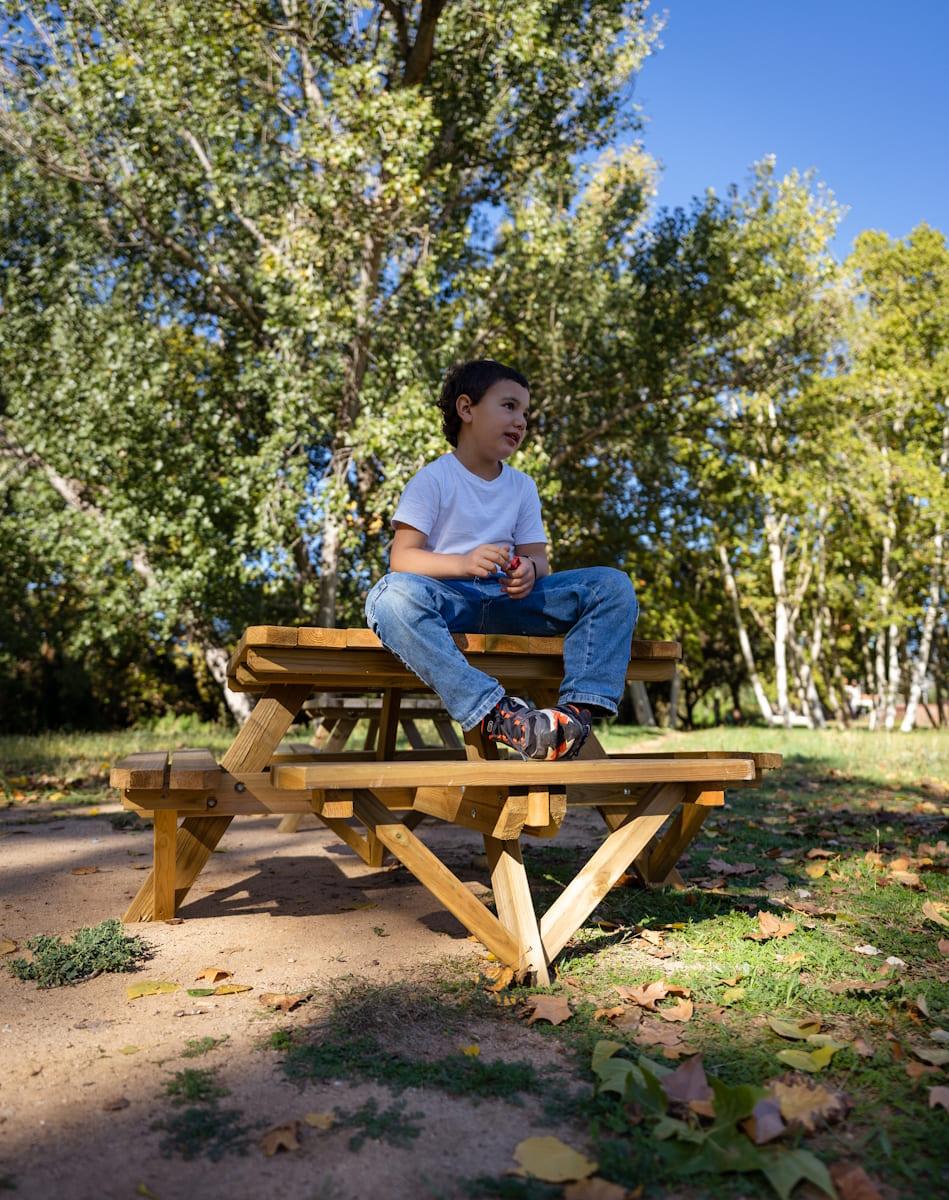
463, 406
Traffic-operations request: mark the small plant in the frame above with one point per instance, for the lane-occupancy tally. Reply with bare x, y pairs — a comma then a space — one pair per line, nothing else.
209, 1130
128, 820
98, 949
392, 1125
280, 1039
195, 1047
195, 1085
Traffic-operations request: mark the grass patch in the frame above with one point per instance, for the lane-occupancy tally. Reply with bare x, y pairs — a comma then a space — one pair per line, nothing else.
392, 1125
207, 1130
196, 1047
195, 1085
95, 950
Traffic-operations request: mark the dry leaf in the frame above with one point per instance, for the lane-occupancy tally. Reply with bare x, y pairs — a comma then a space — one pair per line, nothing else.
770, 926
853, 1183
607, 1014
231, 989
939, 1095
320, 1120
630, 1021
866, 949
7, 946
283, 1001
680, 1011
765, 1122
934, 913
815, 870
807, 1060
129, 1049
730, 995
85, 870
213, 974
652, 935
555, 1009
796, 1030
150, 987
907, 878
281, 1137
550, 1159
115, 1104
859, 985
938, 1058
471, 1051
804, 1102
646, 994
943, 945
916, 1070
595, 1188
776, 883
688, 1082
724, 868
864, 1049
502, 976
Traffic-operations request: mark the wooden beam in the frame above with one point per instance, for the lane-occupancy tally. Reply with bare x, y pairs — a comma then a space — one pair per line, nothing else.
515, 905
685, 825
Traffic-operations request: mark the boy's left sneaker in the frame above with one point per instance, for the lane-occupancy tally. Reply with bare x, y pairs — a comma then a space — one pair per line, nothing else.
541, 734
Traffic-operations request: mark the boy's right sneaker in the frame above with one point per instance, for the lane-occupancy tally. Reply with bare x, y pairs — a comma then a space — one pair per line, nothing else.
542, 734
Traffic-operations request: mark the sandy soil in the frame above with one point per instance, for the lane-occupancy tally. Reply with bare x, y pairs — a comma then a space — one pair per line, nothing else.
284, 913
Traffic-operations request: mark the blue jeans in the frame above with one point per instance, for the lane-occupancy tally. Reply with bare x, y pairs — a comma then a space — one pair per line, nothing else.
594, 609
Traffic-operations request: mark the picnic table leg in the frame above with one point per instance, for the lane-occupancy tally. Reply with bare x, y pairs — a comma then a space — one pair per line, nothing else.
660, 867
385, 752
515, 905
165, 838
597, 876
197, 837
335, 743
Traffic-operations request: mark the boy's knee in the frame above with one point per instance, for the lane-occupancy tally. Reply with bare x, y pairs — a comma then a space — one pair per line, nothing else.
393, 595
615, 583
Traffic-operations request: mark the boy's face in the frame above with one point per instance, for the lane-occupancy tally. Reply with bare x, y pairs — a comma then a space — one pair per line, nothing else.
497, 424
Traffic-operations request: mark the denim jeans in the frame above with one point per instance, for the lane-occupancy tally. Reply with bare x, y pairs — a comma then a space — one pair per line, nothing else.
594, 609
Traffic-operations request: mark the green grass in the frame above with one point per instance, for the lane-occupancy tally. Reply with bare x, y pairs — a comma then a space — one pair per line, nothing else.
98, 949
197, 1047
392, 1125
195, 1085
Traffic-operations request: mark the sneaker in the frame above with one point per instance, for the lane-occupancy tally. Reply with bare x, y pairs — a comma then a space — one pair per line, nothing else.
542, 734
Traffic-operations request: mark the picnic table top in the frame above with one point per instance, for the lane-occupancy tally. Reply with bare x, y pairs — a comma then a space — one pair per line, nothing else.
339, 659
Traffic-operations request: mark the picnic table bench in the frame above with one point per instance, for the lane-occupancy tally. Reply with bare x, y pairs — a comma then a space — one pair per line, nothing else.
652, 804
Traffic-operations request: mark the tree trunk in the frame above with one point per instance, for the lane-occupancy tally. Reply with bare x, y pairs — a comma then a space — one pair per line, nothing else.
731, 590
781, 622
641, 704
238, 703
674, 690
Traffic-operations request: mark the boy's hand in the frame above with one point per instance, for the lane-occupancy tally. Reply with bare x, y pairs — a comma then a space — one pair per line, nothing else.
520, 578
485, 560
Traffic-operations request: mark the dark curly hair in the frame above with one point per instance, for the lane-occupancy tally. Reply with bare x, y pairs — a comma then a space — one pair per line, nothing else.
471, 379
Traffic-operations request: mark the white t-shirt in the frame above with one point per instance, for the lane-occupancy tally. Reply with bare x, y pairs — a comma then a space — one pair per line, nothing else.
458, 510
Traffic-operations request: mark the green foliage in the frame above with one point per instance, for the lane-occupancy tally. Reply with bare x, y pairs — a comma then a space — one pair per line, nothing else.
195, 1085
94, 950
196, 1047
207, 1130
392, 1125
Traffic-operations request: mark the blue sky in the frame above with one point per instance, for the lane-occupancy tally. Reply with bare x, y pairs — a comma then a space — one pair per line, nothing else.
858, 89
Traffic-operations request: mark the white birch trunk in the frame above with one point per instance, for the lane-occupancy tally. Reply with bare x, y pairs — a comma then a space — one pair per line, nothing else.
641, 706
781, 617
744, 642
674, 689
238, 703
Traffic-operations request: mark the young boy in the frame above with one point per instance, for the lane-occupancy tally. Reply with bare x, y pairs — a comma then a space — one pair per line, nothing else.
470, 556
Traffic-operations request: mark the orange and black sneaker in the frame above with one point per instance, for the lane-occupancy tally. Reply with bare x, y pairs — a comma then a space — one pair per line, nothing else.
542, 734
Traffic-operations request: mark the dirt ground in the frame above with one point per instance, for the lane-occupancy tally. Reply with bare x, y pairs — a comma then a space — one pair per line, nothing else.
85, 1069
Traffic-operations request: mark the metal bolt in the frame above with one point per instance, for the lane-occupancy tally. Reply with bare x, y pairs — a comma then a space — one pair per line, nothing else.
240, 787
212, 802
474, 812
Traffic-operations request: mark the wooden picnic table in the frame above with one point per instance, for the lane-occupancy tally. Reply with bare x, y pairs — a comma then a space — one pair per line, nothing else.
372, 798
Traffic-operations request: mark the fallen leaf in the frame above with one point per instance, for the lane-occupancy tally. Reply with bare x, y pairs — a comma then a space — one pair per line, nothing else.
320, 1120
790, 960
943, 945
939, 1095
938, 1058
502, 976
860, 985
765, 1122
129, 1049
815, 870
916, 1070
555, 1009
230, 989
866, 948
283, 1001
907, 878
921, 1006
7, 946
115, 1104
724, 868
647, 994
652, 935
817, 852
84, 870
776, 883
607, 1014
864, 1049
281, 1137
770, 926
934, 913
804, 1102
688, 1082
853, 1183
471, 1051
682, 1010
630, 1021
730, 995
213, 974
596, 1188
796, 1030
150, 987
807, 1060
550, 1159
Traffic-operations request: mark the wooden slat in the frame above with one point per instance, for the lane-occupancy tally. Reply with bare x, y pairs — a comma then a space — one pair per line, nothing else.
591, 883
438, 879
685, 825
193, 770
512, 896
164, 838
508, 773
502, 821
146, 770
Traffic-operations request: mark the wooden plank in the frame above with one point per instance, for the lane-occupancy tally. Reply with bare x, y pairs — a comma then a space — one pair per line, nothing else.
557, 809
512, 896
501, 821
250, 751
436, 877
164, 838
507, 773
446, 730
685, 825
146, 770
763, 761
193, 770
597, 876
323, 639
346, 833
271, 635
538, 807
425, 754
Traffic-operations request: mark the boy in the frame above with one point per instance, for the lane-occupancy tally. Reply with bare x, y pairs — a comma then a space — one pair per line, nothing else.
469, 555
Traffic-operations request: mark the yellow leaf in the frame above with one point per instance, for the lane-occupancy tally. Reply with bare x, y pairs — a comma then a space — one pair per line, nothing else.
804, 1102
598, 1189
555, 1009
230, 989
150, 987
285, 1002
144, 1190
471, 1051
7, 946
281, 1137
680, 1011
934, 913
85, 870
807, 1060
320, 1120
550, 1159
796, 1030
730, 995
129, 1049
213, 974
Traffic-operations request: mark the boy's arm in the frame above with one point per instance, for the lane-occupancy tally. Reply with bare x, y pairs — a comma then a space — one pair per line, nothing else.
537, 553
409, 554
